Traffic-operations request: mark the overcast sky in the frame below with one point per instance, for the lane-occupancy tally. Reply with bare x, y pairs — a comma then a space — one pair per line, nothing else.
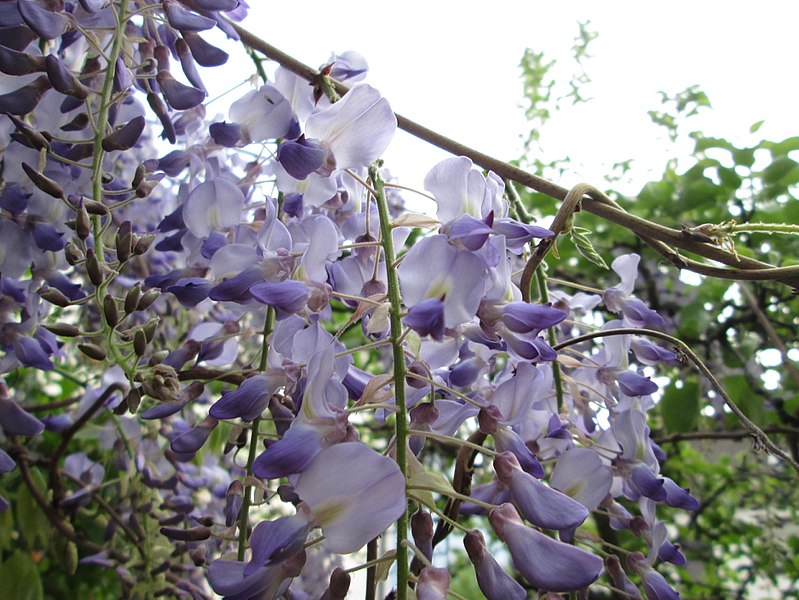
453, 66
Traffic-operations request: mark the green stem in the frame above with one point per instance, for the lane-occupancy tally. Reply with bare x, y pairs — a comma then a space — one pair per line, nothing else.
401, 433
763, 228
543, 292
244, 517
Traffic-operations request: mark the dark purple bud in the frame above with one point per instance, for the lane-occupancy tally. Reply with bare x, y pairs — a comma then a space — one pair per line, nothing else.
286, 297
619, 577
427, 318
234, 498
206, 54
123, 80
92, 351
289, 455
488, 418
48, 25
433, 584
13, 62
493, 581
226, 134
422, 530
25, 99
192, 440
188, 65
126, 136
63, 80
633, 384
178, 95
521, 317
302, 157
44, 183
183, 19
78, 123
15, 421
339, 585
159, 108
194, 534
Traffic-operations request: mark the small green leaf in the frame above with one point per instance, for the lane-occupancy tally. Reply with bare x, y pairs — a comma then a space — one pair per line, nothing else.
756, 126
679, 407
582, 242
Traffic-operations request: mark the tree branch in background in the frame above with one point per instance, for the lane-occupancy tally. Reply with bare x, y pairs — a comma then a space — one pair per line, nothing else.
741, 268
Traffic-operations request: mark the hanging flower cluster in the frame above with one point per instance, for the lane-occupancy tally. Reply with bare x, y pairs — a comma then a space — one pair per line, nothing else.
228, 310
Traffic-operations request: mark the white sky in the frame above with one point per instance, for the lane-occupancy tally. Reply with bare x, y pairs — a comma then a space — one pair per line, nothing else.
453, 66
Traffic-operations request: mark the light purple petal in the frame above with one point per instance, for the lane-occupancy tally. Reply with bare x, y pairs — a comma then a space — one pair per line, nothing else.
545, 562
514, 398
15, 421
494, 582
354, 492
580, 474
213, 206
540, 504
357, 129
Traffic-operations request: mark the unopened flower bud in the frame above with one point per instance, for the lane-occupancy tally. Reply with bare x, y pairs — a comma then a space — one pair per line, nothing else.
63, 329
73, 253
95, 208
44, 183
133, 399
33, 137
83, 225
149, 330
147, 299
93, 268
110, 311
124, 247
139, 343
143, 244
132, 299
339, 585
92, 351
54, 296
194, 534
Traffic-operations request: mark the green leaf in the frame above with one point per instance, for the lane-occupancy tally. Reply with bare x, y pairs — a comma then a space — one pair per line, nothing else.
756, 126
780, 168
750, 403
582, 242
785, 146
792, 405
679, 407
33, 523
19, 578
